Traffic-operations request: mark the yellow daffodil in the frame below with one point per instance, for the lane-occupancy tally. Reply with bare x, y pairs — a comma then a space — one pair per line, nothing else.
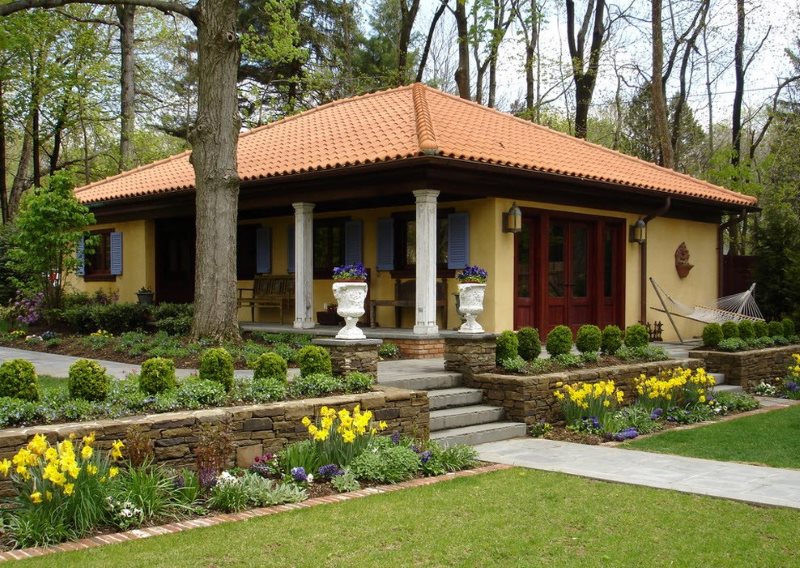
69, 489
38, 445
383, 425
116, 449
86, 452
36, 497
5, 466
89, 440
91, 469
113, 471
48, 495
306, 421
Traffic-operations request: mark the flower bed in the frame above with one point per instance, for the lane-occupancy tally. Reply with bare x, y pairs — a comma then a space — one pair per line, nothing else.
748, 368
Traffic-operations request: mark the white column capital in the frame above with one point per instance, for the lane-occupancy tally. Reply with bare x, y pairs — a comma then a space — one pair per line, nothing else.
426, 195
301, 207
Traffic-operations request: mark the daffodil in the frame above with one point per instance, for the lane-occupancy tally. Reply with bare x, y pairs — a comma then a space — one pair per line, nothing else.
36, 497
86, 452
5, 466
69, 489
116, 449
113, 471
38, 445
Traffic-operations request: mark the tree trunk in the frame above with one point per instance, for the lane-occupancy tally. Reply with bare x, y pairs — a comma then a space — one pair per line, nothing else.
126, 16
585, 79
426, 50
462, 72
3, 188
738, 95
214, 138
21, 180
408, 13
657, 90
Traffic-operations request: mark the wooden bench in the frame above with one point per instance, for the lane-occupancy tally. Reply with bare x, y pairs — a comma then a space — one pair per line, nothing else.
405, 296
268, 291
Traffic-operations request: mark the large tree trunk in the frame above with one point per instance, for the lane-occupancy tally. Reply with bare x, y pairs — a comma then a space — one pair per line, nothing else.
585, 78
3, 188
214, 139
738, 95
408, 13
462, 72
657, 90
21, 180
126, 16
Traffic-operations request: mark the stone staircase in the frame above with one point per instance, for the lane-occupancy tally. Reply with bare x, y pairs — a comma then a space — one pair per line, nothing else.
457, 415
722, 386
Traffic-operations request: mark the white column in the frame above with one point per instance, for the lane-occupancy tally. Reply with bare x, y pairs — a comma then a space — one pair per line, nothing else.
426, 263
303, 265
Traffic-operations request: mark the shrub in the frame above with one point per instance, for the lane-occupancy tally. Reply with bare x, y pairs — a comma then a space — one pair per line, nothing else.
730, 329
530, 345
732, 344
514, 364
746, 330
388, 464
611, 340
269, 366
87, 380
157, 376
636, 336
775, 329
313, 359
761, 329
507, 346
559, 340
196, 392
357, 382
79, 319
568, 360
589, 339
120, 317
174, 319
388, 350
18, 380
788, 327
265, 390
316, 384
646, 353
216, 364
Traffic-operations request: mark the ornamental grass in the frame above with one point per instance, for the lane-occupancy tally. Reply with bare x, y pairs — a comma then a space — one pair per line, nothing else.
588, 400
674, 388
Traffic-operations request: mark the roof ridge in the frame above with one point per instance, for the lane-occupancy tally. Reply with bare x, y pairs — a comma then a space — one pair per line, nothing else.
651, 165
132, 171
424, 121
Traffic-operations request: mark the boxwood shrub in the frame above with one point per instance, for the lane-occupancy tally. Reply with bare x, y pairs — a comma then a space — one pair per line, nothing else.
761, 329
507, 346
216, 364
712, 335
559, 340
611, 340
636, 336
589, 339
788, 327
313, 359
530, 345
775, 329
746, 330
730, 330
269, 366
88, 380
157, 376
18, 380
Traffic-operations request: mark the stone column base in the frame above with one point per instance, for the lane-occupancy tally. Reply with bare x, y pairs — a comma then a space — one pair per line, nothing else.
470, 354
352, 355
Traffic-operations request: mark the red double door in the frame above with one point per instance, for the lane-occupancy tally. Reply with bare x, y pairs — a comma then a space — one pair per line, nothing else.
569, 270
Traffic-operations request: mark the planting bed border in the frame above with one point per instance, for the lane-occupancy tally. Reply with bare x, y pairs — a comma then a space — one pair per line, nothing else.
748, 368
189, 524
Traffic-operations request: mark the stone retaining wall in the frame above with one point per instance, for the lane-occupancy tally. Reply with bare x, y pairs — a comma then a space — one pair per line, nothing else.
352, 355
256, 428
470, 354
530, 399
748, 368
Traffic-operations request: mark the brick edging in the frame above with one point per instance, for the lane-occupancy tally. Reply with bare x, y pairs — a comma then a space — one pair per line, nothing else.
210, 521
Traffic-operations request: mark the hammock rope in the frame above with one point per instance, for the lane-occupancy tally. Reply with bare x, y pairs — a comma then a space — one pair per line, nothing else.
735, 307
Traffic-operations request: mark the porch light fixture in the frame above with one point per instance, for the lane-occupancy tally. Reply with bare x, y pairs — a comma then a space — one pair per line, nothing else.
512, 220
638, 232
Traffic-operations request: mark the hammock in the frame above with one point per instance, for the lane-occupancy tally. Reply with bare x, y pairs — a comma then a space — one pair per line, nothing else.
737, 307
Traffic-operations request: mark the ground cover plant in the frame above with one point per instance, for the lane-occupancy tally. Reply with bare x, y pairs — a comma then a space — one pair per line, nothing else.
766, 439
560, 529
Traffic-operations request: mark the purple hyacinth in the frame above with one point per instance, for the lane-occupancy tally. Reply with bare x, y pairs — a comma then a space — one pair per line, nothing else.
626, 434
425, 456
656, 414
395, 437
299, 474
207, 477
792, 386
330, 471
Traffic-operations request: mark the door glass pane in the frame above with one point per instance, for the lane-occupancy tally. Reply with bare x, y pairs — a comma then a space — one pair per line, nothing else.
608, 262
580, 243
524, 262
555, 262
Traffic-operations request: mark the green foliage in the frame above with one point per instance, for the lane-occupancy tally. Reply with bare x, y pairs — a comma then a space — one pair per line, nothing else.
775, 329
746, 330
149, 488
636, 336
732, 344
730, 329
48, 226
590, 357
530, 345
507, 346
88, 380
559, 340
116, 318
388, 350
761, 329
262, 492
198, 392
589, 339
356, 381
777, 248
18, 380
346, 482
568, 360
313, 359
157, 376
228, 496
259, 391
300, 454
760, 342
216, 364
646, 353
270, 366
317, 384
174, 319
514, 364
386, 463
736, 401
788, 327
611, 340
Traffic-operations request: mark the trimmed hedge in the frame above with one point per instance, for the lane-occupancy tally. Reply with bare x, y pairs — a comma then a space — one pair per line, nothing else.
18, 380
507, 346
589, 339
530, 344
636, 336
559, 340
216, 364
611, 340
88, 380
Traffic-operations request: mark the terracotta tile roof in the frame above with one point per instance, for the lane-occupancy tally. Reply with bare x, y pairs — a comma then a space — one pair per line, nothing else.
403, 123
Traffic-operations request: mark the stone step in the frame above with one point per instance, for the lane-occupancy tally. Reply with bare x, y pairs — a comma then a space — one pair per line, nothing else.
458, 396
719, 377
480, 433
728, 388
464, 416
424, 381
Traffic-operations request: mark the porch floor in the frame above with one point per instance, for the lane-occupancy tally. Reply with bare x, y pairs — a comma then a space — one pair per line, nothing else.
332, 330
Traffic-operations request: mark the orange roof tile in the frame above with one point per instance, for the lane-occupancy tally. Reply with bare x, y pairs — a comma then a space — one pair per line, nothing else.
403, 123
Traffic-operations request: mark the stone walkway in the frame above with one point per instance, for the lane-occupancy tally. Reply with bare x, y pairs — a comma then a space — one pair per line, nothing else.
740, 482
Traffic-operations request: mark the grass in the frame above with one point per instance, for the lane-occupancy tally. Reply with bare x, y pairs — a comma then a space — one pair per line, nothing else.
52, 384
507, 518
768, 439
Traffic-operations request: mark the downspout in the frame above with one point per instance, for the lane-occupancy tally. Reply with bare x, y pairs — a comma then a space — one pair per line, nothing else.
729, 223
643, 260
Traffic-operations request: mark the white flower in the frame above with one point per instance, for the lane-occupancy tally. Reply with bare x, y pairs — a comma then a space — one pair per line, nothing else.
310, 478
226, 478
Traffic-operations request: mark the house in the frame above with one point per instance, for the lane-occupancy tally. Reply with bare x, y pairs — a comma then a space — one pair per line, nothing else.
416, 184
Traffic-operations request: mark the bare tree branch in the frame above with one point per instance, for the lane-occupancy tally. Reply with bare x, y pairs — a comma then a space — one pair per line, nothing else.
86, 20
166, 6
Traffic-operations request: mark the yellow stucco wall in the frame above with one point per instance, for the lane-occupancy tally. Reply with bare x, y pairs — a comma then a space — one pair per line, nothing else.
138, 261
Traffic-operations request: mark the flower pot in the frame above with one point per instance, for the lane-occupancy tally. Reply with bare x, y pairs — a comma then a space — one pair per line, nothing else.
470, 304
350, 298
145, 298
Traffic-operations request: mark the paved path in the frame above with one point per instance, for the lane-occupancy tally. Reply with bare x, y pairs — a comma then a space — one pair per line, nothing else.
741, 482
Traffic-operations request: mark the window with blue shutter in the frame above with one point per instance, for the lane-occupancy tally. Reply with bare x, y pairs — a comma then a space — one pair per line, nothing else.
352, 242
264, 250
290, 248
385, 259
457, 240
80, 256
115, 243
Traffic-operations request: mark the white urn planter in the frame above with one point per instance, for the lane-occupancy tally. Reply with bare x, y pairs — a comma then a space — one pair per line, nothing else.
350, 298
470, 304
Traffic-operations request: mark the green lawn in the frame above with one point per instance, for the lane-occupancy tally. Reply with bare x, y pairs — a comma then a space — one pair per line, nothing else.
52, 384
768, 439
508, 518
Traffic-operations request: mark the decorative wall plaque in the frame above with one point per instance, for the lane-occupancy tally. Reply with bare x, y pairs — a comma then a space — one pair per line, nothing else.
682, 260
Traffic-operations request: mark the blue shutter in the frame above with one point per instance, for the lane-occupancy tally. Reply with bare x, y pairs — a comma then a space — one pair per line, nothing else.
263, 250
457, 240
80, 256
290, 249
352, 242
385, 244
115, 242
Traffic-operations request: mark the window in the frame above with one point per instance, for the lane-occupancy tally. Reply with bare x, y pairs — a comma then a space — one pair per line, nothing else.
246, 252
405, 239
329, 246
105, 261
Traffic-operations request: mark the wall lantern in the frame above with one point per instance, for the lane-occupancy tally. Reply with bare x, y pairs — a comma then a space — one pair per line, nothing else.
512, 220
638, 232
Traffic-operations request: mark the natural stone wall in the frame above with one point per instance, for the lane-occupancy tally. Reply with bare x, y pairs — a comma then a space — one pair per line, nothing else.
530, 399
256, 428
428, 348
470, 354
349, 355
748, 368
